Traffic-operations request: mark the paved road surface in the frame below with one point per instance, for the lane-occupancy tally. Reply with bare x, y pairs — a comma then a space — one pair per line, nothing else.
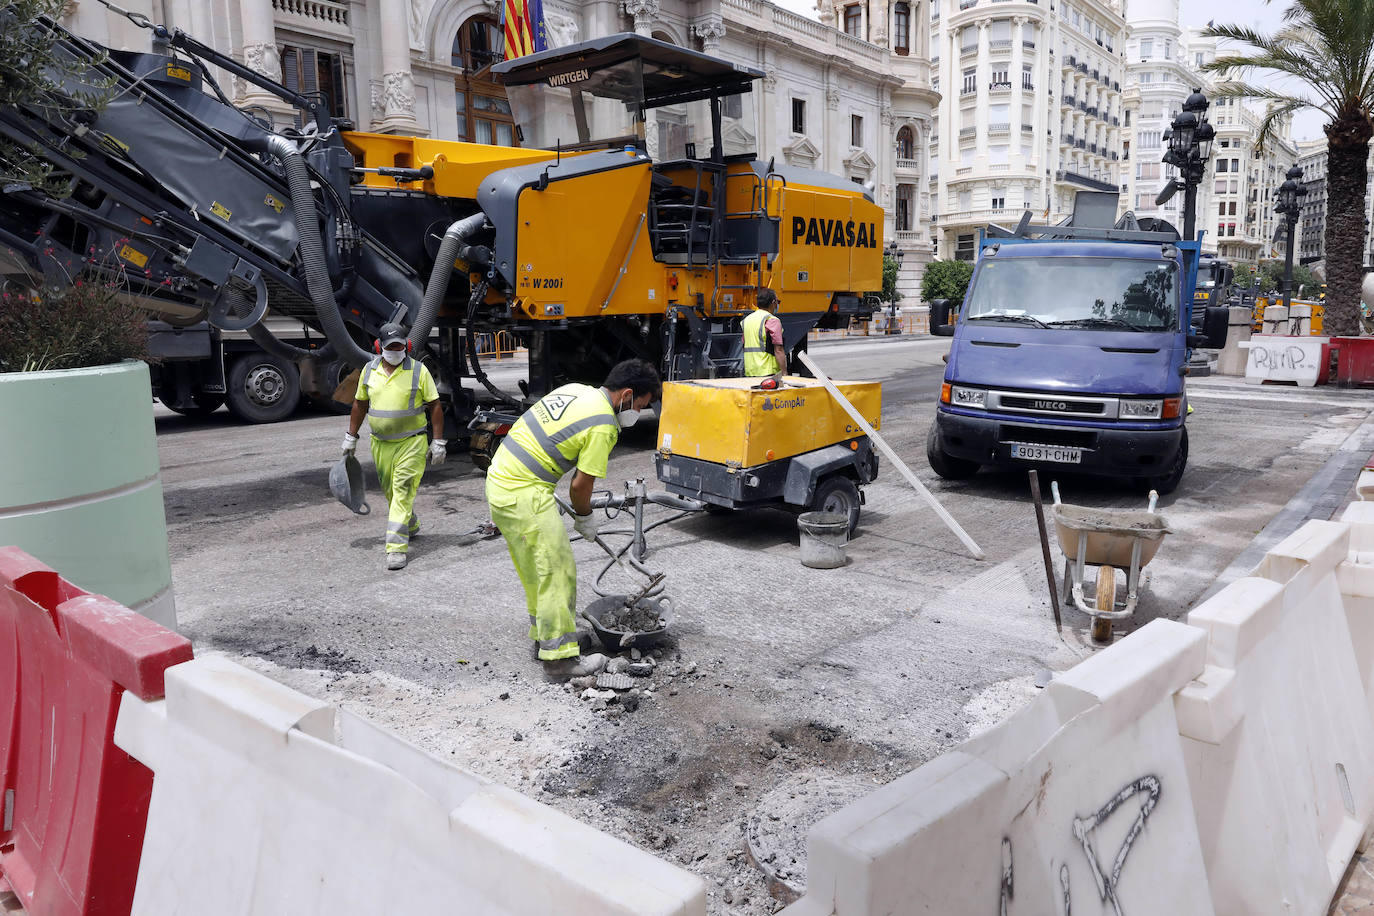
841, 678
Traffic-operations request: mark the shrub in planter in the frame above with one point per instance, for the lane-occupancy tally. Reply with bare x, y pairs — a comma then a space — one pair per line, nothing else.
86, 324
79, 484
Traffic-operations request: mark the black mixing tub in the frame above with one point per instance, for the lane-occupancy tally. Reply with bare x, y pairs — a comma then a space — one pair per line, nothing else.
616, 640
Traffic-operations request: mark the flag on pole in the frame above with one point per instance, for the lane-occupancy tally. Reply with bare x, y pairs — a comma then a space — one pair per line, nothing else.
522, 25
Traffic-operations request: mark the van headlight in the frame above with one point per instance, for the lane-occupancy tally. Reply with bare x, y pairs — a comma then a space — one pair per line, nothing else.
1141, 410
967, 397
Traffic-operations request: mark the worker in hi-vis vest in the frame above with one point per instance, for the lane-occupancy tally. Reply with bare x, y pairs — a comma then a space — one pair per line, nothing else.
763, 349
572, 428
394, 393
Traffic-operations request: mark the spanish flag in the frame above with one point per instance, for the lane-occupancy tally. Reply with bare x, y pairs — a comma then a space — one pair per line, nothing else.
522, 23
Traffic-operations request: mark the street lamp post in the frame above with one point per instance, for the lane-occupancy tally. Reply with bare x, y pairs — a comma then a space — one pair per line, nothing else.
896, 254
1190, 139
1288, 206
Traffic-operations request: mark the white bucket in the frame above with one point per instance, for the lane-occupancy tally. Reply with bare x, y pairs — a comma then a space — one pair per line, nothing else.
823, 539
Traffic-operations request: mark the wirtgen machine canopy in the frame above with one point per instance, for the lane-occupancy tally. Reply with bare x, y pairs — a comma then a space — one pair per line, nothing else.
634, 218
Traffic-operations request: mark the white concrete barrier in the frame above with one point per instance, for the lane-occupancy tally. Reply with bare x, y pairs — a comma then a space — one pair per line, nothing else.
1078, 802
1284, 359
1225, 765
1278, 733
267, 801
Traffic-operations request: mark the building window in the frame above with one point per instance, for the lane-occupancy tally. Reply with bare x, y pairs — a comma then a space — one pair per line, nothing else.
970, 81
484, 114
477, 45
854, 20
1147, 48
856, 130
964, 247
1000, 79
1221, 165
316, 73
905, 199
1026, 77
1126, 117
999, 203
906, 143
901, 28
1149, 139
798, 116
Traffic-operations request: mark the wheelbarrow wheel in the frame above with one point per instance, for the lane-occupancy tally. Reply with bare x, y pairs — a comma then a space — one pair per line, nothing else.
1105, 599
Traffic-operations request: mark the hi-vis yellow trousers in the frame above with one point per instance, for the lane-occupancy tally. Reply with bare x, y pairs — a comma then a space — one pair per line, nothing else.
543, 558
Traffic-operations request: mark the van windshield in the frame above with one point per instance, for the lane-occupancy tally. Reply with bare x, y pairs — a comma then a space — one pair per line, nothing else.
1072, 292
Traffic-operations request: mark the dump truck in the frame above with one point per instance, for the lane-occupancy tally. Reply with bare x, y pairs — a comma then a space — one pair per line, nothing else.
635, 220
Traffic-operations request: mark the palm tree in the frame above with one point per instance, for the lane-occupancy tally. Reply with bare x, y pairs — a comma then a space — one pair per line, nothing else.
1327, 48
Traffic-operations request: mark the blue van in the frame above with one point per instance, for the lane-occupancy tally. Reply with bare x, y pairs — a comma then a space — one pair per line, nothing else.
1070, 352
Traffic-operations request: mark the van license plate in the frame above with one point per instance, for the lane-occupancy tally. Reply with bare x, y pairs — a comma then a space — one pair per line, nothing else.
1047, 453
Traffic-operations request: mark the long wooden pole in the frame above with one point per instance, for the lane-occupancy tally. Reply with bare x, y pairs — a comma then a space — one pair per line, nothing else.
973, 548
1045, 547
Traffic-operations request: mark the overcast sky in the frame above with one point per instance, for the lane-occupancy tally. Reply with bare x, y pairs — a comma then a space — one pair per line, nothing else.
1195, 14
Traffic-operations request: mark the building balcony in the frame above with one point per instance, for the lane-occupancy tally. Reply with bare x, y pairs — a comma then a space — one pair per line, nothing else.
999, 87
1116, 86
969, 90
908, 168
1116, 122
315, 15
1097, 75
1082, 68
1028, 43
1115, 156
967, 132
1027, 129
1080, 144
999, 44
999, 130
1067, 101
1028, 85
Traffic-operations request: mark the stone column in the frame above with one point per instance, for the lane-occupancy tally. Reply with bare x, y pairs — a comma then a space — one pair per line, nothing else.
709, 30
398, 85
643, 12
877, 22
260, 55
836, 136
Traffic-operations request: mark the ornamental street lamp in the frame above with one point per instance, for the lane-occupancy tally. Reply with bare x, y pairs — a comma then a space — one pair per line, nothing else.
896, 254
1189, 139
1288, 206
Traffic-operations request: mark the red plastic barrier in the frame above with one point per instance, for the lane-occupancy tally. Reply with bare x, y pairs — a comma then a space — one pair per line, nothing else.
74, 806
1354, 360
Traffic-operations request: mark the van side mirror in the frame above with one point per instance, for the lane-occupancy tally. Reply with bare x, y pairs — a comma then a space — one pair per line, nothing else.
940, 323
1215, 320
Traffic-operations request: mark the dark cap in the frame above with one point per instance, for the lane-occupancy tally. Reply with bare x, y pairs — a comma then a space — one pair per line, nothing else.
391, 333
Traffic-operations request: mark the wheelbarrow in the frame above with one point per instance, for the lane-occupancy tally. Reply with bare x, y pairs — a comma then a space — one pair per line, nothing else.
1111, 540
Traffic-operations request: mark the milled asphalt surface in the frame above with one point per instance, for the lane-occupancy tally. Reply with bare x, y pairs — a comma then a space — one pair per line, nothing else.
846, 677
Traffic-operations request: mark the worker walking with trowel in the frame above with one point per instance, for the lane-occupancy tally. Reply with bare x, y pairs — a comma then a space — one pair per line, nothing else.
764, 353
394, 393
573, 428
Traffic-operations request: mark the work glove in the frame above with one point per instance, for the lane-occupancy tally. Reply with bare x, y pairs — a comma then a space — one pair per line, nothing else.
350, 444
586, 525
438, 452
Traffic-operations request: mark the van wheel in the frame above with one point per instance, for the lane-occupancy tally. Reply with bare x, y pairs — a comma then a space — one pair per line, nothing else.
838, 495
263, 388
945, 464
1168, 483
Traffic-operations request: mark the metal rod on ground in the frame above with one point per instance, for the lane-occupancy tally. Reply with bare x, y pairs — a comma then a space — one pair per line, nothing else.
973, 548
1045, 548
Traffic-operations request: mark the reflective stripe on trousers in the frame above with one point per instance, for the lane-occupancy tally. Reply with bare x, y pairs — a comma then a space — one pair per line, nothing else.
400, 465
543, 559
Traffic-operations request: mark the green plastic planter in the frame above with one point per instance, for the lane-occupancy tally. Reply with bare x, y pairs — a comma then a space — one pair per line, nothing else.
79, 484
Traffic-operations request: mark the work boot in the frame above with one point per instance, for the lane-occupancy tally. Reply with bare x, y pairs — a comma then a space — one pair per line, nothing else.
396, 560
414, 526
578, 666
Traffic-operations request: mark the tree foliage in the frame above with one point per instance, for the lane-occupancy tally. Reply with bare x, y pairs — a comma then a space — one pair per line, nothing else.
35, 74
1243, 277
1323, 57
889, 294
946, 280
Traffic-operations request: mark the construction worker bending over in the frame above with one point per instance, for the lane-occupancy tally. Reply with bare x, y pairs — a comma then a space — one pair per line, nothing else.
574, 426
394, 392
763, 349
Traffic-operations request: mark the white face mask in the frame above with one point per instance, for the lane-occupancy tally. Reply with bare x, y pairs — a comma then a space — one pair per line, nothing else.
395, 357
628, 415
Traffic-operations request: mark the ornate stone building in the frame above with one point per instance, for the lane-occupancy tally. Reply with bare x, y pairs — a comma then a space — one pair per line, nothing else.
856, 102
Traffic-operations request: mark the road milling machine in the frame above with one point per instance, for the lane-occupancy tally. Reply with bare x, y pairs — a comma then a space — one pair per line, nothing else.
633, 219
